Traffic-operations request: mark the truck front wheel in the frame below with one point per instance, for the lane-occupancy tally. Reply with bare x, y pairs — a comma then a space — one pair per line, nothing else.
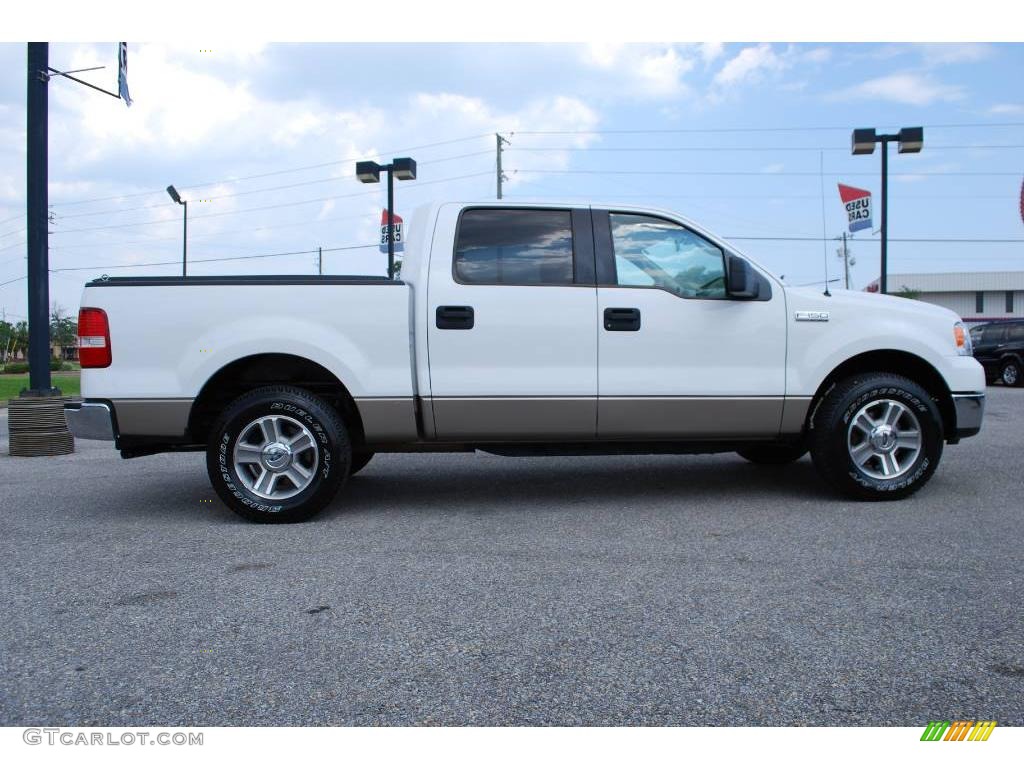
278, 455
876, 436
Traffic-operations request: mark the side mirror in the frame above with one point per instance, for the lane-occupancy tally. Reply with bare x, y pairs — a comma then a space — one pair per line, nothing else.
742, 282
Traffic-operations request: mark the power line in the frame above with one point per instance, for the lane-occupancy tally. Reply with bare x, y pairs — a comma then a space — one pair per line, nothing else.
177, 262
877, 240
343, 177
269, 207
745, 149
762, 197
660, 172
13, 245
277, 173
740, 129
152, 240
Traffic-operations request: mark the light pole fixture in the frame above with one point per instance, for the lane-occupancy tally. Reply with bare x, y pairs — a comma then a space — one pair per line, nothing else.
402, 168
909, 140
184, 237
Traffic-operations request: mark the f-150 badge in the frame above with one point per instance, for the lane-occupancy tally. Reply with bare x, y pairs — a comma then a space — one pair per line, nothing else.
812, 317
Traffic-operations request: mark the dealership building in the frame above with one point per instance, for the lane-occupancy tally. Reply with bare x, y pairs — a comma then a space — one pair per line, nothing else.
975, 296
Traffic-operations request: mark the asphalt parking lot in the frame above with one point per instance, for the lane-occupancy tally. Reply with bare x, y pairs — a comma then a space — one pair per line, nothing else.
471, 589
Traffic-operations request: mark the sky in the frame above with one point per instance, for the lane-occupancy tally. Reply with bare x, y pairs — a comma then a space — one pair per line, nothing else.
746, 139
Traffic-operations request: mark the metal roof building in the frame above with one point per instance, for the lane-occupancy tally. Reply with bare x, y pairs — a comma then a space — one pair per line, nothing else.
975, 296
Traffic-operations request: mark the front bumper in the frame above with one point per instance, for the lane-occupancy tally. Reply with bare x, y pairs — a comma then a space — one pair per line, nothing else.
90, 421
970, 409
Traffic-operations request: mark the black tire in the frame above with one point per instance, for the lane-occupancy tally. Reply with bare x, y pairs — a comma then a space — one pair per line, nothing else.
831, 428
773, 454
302, 410
360, 459
1011, 372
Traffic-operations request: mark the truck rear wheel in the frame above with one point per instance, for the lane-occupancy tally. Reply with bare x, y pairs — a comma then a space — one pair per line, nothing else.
876, 436
278, 455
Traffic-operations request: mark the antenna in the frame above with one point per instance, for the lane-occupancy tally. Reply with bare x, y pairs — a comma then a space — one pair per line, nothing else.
824, 224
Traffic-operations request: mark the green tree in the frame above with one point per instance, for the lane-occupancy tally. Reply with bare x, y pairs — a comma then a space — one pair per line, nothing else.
63, 329
907, 293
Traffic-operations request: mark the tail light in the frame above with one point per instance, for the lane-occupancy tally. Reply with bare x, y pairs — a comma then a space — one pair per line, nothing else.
93, 338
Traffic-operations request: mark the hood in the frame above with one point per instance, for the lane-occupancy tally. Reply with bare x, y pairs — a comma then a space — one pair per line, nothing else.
862, 301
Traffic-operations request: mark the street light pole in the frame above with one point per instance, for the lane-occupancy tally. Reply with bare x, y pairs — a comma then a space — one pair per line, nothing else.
184, 242
184, 238
391, 221
910, 140
402, 168
883, 280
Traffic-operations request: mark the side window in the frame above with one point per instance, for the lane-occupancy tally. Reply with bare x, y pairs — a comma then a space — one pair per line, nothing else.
1015, 332
993, 334
654, 252
503, 246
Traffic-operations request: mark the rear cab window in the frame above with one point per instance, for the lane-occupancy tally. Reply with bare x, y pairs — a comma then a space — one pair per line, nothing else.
510, 246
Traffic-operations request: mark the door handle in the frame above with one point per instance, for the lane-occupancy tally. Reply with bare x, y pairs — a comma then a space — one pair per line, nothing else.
454, 318
622, 319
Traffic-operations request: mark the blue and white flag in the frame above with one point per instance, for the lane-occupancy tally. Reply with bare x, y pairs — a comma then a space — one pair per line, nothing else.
122, 73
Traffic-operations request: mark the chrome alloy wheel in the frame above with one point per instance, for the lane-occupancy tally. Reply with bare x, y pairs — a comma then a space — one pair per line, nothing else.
884, 439
276, 457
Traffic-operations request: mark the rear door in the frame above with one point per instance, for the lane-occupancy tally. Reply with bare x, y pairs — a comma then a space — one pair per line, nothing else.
990, 347
512, 343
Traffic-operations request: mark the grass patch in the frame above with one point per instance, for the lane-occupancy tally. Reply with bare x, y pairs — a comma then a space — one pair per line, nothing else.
11, 386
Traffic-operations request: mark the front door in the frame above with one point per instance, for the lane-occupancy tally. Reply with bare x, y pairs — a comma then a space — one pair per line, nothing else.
512, 343
679, 358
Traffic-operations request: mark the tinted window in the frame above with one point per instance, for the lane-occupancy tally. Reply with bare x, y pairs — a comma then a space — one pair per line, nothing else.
516, 247
655, 252
1015, 332
993, 334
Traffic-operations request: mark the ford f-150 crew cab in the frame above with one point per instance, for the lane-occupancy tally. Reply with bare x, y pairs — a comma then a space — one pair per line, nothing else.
522, 330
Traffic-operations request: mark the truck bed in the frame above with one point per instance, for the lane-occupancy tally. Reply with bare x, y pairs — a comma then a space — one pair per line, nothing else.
170, 335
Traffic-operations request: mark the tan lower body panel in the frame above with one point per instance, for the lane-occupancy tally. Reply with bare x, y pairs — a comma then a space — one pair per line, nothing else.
686, 418
515, 418
794, 414
388, 419
151, 417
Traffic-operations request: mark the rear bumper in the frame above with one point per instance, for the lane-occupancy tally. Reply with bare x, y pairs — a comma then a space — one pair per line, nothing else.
90, 421
970, 409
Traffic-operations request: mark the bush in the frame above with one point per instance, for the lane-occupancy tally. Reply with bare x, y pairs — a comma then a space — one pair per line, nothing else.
55, 365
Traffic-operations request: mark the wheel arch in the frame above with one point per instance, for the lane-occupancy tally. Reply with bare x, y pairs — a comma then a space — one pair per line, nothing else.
900, 363
267, 369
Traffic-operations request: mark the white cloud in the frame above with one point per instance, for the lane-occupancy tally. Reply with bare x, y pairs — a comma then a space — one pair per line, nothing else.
1006, 109
709, 52
748, 65
935, 54
817, 55
650, 71
903, 88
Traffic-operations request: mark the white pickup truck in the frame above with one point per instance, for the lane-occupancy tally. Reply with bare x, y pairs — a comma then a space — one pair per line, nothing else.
532, 329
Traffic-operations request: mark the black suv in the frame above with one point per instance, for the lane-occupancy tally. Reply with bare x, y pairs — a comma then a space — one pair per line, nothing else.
999, 347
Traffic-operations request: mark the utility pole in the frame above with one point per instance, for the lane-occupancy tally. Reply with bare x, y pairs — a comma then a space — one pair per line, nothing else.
499, 140
319, 259
846, 262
